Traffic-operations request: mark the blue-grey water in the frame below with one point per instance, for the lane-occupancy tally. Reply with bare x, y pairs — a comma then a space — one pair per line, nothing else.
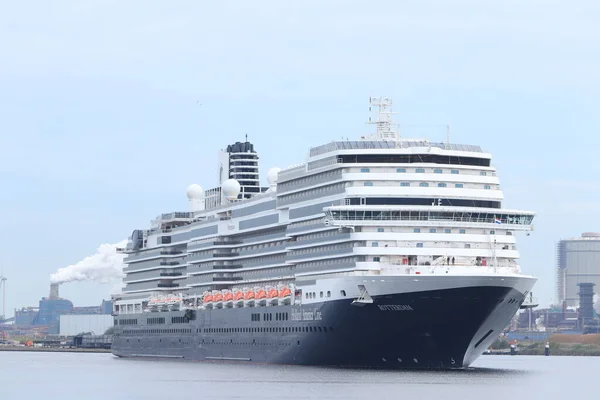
70, 376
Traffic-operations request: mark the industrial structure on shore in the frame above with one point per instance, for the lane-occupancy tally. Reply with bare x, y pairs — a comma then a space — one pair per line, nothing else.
578, 261
54, 311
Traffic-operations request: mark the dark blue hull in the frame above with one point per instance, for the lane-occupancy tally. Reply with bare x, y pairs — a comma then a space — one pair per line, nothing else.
433, 329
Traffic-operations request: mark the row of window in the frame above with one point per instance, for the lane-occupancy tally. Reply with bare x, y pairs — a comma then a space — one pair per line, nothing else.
448, 230
445, 230
313, 295
274, 329
317, 192
426, 184
318, 235
422, 171
318, 249
309, 180
137, 332
130, 321
155, 320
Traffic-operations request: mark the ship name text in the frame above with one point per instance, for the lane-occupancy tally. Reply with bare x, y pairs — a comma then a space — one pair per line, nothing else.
306, 315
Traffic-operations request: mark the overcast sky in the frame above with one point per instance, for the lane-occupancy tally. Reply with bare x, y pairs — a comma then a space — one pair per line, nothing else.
101, 126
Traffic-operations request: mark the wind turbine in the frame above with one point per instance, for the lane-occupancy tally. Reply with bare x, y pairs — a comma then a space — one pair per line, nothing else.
3, 287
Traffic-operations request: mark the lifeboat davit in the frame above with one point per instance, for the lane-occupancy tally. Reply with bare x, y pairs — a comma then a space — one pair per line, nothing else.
207, 300
272, 296
218, 299
249, 297
285, 295
238, 298
261, 296
227, 298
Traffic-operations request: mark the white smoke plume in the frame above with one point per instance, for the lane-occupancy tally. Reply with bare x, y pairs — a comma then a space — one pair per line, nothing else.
104, 266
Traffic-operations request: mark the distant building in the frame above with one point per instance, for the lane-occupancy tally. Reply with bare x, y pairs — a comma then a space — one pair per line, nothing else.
53, 307
26, 315
50, 311
74, 324
578, 261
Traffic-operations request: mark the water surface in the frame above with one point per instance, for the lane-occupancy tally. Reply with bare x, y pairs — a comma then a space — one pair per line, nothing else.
72, 376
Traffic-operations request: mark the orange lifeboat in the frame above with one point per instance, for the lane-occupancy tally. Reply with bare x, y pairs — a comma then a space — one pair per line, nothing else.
261, 296
207, 300
272, 295
218, 297
284, 292
249, 297
238, 295
227, 298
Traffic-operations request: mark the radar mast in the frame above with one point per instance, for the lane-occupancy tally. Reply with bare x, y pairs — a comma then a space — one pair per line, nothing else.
385, 130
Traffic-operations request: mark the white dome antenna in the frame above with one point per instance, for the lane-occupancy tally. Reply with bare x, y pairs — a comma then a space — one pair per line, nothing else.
195, 194
272, 176
230, 189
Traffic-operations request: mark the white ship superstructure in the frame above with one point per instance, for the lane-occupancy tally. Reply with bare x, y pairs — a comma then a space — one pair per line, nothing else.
358, 220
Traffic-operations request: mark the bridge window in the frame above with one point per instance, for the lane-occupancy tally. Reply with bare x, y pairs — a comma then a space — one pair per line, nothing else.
402, 170
483, 173
432, 230
462, 231
454, 171
405, 184
442, 185
420, 170
365, 170
487, 187
380, 229
374, 244
376, 259
368, 183
459, 185
447, 230
438, 171
417, 230
424, 184
419, 244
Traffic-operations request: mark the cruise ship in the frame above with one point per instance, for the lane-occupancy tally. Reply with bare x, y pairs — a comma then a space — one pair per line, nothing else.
383, 252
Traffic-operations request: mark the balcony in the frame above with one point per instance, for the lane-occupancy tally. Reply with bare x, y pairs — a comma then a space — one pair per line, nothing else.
170, 263
216, 255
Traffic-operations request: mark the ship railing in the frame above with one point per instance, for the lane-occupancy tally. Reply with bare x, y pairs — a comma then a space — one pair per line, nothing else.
369, 215
389, 144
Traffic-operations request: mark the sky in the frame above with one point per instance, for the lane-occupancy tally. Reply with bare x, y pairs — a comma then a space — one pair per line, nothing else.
110, 109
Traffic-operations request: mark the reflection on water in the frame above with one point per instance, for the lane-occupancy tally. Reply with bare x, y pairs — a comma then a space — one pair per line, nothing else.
68, 376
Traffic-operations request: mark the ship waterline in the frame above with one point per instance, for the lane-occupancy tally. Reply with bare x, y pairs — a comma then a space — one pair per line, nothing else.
383, 252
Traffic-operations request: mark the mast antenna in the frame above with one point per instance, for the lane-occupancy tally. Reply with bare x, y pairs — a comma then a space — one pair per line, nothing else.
384, 123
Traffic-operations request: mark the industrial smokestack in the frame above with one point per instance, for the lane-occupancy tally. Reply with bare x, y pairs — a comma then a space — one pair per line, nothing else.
54, 291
